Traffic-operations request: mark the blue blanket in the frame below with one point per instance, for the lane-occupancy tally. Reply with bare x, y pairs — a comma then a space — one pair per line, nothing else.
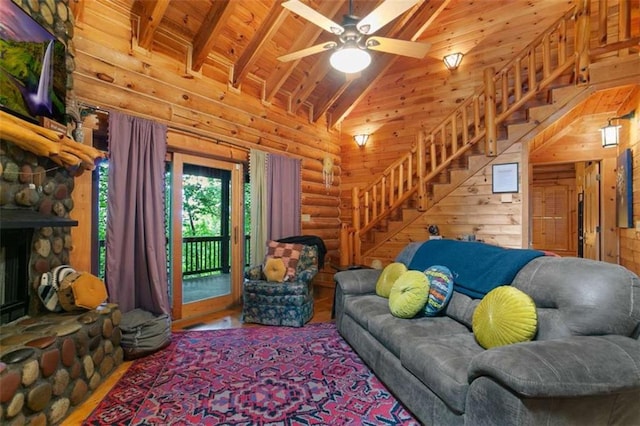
477, 267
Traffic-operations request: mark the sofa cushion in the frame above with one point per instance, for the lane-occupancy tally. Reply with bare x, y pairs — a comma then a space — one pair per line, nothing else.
505, 315
442, 365
440, 289
363, 308
581, 297
461, 308
388, 277
398, 334
409, 294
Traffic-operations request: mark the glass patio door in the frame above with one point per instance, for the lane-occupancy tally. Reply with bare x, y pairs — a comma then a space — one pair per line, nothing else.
207, 254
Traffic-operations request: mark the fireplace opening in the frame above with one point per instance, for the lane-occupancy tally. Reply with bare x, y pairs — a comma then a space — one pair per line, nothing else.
14, 273
17, 228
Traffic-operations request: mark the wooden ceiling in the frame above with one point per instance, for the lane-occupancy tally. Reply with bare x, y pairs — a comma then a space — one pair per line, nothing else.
237, 42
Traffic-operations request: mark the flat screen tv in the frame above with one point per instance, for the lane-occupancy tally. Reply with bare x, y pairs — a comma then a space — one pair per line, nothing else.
33, 73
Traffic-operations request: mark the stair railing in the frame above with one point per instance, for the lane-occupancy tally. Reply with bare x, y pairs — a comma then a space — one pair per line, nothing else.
563, 45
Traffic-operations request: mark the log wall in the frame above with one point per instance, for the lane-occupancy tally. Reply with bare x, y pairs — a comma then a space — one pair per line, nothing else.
205, 117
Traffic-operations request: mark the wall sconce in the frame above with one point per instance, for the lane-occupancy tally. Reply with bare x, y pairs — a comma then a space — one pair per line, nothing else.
610, 132
361, 139
453, 61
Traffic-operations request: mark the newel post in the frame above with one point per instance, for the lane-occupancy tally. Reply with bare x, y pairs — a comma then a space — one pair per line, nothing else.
491, 127
422, 199
355, 218
345, 246
583, 33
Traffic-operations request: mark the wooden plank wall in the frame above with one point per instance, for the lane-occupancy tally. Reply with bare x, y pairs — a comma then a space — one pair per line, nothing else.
630, 137
471, 208
110, 73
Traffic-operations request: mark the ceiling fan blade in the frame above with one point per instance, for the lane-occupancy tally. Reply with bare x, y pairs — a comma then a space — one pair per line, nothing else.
308, 51
383, 14
413, 49
312, 16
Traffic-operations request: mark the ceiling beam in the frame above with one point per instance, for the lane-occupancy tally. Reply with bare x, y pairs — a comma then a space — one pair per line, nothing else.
308, 37
212, 25
151, 13
329, 98
308, 84
412, 28
267, 29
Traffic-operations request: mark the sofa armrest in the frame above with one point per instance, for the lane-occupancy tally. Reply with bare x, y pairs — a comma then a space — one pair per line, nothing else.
357, 281
570, 367
307, 275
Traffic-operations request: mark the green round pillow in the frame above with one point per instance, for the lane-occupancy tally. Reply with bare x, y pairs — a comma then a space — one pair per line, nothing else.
505, 315
389, 276
409, 294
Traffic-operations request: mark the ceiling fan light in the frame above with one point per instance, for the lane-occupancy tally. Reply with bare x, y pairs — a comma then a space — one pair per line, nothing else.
453, 61
350, 60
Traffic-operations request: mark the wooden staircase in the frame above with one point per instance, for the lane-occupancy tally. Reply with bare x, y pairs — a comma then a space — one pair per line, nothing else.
548, 77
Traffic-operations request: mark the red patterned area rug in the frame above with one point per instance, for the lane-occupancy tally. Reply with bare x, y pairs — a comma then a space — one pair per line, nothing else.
252, 376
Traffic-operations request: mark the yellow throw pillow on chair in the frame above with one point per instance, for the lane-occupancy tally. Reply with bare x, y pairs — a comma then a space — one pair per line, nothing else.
275, 269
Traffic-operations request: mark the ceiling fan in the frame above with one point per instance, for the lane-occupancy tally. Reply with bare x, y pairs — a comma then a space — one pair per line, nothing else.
350, 52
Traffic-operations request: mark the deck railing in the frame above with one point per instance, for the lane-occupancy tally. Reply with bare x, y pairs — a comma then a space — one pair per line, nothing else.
565, 45
200, 255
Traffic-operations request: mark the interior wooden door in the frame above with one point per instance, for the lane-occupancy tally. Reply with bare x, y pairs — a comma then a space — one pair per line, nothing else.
592, 211
207, 257
551, 228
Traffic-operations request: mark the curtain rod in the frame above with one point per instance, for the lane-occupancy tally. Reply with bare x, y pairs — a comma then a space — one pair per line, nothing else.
230, 142
172, 126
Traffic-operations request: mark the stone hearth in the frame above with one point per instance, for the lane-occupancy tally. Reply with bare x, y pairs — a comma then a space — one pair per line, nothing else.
51, 363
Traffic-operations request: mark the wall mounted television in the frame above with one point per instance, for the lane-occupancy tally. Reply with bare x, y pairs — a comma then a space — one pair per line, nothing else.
33, 73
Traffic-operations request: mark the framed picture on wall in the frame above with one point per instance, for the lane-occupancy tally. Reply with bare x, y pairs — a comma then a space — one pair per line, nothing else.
624, 190
505, 178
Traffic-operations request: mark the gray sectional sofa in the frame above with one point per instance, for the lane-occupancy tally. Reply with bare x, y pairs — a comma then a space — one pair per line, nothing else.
582, 368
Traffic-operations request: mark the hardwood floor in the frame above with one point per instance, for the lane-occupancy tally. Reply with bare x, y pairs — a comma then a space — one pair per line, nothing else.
230, 318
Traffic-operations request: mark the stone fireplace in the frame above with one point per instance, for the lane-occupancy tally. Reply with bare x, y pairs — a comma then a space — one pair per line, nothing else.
35, 236
49, 362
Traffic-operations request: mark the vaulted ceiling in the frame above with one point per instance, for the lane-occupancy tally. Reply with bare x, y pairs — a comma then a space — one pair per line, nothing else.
237, 42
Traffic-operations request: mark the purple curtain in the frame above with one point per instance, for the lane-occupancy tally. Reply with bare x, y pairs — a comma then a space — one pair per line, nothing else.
136, 268
284, 186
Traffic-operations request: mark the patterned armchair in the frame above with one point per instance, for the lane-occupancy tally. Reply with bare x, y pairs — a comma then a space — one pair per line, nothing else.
288, 303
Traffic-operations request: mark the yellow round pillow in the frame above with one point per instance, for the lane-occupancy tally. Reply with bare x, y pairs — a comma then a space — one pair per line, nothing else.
409, 294
388, 276
505, 315
275, 269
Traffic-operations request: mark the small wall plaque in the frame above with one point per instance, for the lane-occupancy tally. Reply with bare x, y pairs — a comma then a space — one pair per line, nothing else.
505, 178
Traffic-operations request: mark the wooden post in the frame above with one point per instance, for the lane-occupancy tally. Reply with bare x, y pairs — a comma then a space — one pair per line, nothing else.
345, 255
517, 80
582, 42
355, 206
422, 199
357, 248
491, 127
624, 24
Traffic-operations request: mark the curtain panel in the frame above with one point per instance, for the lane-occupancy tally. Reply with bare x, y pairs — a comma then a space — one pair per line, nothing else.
284, 187
136, 265
258, 193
